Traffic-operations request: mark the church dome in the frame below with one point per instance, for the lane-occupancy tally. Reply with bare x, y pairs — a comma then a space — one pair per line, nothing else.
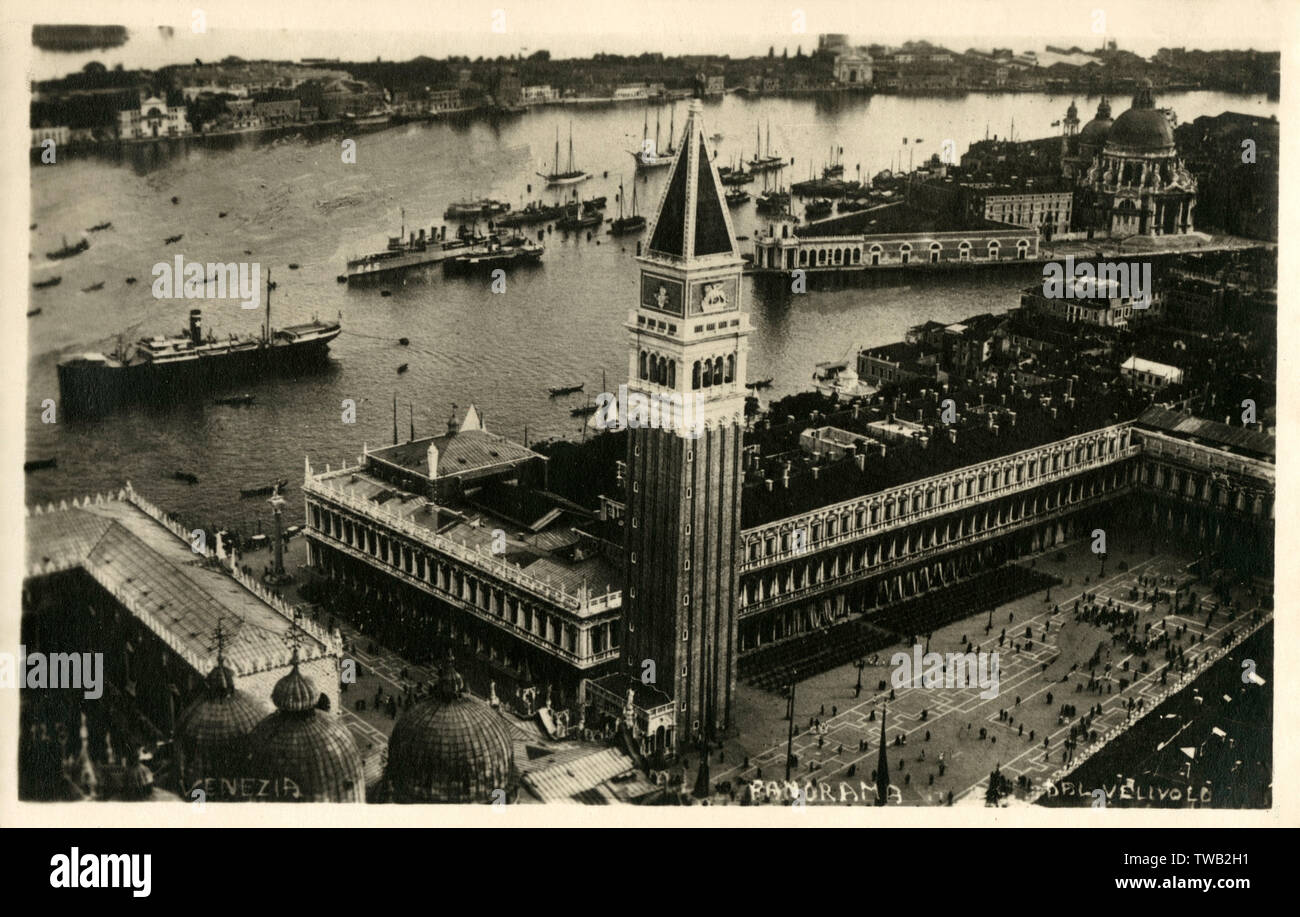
1141, 129
211, 733
450, 748
1095, 131
301, 744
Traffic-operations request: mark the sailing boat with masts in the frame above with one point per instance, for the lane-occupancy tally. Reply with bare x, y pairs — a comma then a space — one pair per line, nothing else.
630, 224
765, 162
651, 156
572, 175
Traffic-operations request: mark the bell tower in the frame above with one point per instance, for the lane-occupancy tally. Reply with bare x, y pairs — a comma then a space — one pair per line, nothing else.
687, 351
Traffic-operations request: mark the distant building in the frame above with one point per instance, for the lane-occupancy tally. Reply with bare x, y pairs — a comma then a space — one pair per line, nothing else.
284, 111
853, 69
1150, 374
60, 135
715, 86
1091, 303
154, 118
1139, 183
538, 95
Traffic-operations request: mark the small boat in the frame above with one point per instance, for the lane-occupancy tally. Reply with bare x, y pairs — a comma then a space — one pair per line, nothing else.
385, 292
585, 410
32, 313
473, 210
46, 284
404, 341
33, 226
186, 476
716, 138
403, 367
101, 226
293, 265
176, 200
94, 287
130, 280
67, 251
558, 390
40, 464
170, 239
759, 384
342, 278
625, 225
576, 218
736, 197
257, 490
221, 215
235, 399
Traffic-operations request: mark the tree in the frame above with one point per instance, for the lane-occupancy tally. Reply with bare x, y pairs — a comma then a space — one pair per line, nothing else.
94, 67
771, 51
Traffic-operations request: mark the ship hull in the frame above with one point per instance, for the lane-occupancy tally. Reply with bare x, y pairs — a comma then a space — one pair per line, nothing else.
92, 388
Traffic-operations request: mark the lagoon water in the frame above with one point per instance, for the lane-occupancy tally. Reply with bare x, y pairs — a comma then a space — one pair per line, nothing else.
295, 200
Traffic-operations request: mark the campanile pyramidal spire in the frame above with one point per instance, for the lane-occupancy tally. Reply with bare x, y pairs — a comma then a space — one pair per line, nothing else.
688, 342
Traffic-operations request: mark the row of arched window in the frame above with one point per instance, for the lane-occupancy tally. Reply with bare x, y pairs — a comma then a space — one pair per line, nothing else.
657, 369
661, 370
823, 256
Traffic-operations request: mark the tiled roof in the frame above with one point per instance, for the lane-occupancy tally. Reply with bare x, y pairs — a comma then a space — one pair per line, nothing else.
1239, 439
468, 450
578, 774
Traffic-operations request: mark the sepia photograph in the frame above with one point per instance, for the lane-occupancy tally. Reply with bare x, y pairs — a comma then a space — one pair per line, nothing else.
732, 411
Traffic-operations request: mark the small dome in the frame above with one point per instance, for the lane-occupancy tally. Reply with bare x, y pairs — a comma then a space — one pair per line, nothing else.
211, 733
1095, 131
1141, 129
298, 743
450, 748
294, 693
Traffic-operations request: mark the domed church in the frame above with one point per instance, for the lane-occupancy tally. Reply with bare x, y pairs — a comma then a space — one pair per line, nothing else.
309, 754
1139, 185
212, 733
450, 748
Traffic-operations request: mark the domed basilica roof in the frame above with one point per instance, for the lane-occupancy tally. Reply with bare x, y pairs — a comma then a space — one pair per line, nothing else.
1141, 129
1095, 131
307, 746
211, 733
450, 748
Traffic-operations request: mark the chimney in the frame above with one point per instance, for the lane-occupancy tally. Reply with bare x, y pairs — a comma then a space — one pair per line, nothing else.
196, 327
453, 425
952, 434
768, 482
816, 472
861, 461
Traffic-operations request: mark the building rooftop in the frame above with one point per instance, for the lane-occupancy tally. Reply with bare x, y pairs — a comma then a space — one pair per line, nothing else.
1240, 440
126, 545
538, 527
466, 447
896, 218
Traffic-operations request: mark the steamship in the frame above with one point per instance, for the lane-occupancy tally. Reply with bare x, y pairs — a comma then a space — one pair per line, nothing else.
160, 369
